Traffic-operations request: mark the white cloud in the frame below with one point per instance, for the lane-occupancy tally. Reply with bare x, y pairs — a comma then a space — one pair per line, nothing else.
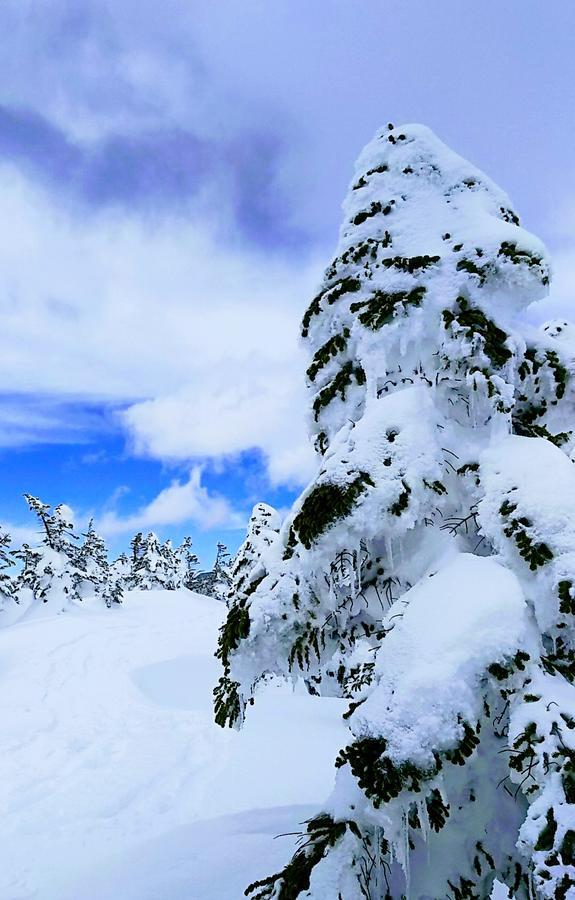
22, 534
200, 336
181, 502
245, 404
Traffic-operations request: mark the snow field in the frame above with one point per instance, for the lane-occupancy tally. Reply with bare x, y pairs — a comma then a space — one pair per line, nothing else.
117, 783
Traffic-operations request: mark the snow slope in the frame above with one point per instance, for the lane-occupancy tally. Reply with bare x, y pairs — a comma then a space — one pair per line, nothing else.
115, 781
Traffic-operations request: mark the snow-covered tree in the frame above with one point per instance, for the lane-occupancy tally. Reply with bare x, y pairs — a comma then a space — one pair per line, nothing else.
51, 571
171, 565
186, 564
120, 571
429, 568
96, 576
8, 593
29, 559
131, 579
58, 532
248, 566
215, 582
154, 566
136, 547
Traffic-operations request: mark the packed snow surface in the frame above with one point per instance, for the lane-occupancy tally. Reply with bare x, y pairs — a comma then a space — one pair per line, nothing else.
116, 783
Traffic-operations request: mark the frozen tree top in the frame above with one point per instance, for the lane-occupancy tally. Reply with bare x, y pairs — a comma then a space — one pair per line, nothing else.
425, 237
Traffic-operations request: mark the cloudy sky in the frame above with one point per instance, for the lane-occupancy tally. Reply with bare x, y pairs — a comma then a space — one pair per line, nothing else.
170, 181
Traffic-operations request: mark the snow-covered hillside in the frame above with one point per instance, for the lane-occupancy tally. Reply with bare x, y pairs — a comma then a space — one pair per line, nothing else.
115, 781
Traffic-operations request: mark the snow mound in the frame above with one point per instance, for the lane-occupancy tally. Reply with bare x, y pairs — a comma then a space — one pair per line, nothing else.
457, 621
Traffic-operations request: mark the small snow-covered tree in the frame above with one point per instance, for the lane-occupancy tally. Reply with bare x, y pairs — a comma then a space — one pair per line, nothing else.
52, 570
29, 559
136, 547
186, 564
222, 565
58, 532
120, 570
248, 566
429, 568
171, 568
154, 565
96, 576
132, 579
216, 582
8, 593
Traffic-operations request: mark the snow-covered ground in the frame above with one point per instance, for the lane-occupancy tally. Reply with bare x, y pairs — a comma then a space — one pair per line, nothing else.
115, 781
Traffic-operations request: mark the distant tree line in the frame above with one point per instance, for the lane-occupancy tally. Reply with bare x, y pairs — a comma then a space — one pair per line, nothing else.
65, 569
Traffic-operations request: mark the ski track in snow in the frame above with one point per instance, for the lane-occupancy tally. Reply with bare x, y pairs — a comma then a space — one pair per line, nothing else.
116, 783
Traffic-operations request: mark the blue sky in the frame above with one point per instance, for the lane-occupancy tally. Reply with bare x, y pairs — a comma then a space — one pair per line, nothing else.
171, 177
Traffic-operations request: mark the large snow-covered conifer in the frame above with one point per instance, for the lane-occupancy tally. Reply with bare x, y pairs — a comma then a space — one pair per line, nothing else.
427, 572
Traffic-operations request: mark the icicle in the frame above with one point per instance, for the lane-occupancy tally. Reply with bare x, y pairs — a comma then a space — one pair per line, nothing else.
358, 570
423, 819
473, 406
406, 860
401, 553
389, 550
378, 860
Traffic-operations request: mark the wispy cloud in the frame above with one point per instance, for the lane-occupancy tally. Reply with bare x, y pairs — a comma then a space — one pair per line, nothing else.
26, 420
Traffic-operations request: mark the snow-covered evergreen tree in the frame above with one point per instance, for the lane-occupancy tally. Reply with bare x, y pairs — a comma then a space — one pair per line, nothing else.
132, 580
429, 568
51, 571
8, 593
222, 568
120, 571
186, 564
216, 582
136, 547
58, 532
248, 566
96, 577
171, 566
154, 565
